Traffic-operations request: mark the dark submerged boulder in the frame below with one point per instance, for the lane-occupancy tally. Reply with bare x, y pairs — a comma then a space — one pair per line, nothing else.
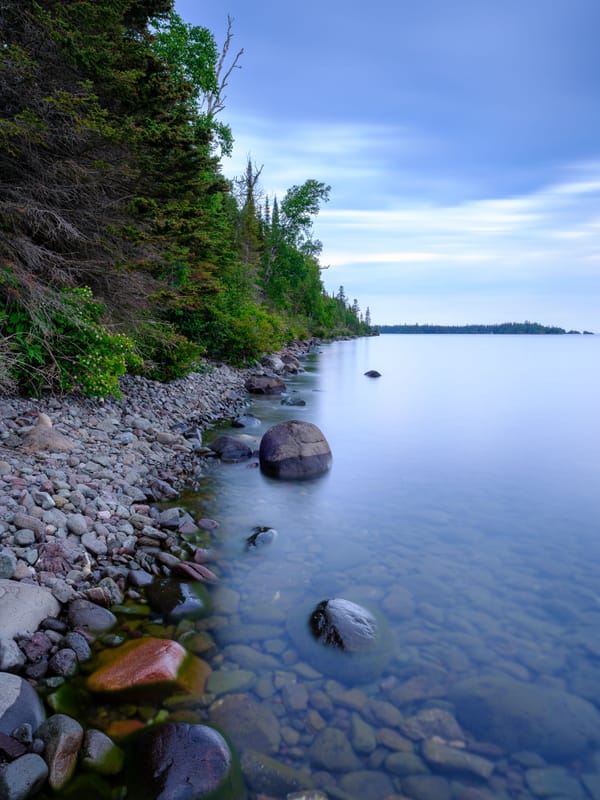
230, 448
177, 600
187, 761
294, 450
372, 373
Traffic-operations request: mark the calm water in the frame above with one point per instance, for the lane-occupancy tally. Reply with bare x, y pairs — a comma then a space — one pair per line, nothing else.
463, 506
462, 509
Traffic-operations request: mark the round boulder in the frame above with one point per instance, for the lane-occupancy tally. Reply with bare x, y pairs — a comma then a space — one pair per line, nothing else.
19, 704
294, 450
340, 623
342, 639
183, 760
265, 384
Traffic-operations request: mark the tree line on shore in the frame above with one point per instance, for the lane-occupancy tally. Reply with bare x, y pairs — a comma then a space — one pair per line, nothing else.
502, 328
122, 245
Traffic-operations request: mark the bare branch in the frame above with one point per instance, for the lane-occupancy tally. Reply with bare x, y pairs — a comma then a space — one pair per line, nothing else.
216, 102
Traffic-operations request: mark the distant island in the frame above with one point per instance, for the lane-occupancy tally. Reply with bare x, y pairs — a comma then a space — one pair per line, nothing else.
503, 328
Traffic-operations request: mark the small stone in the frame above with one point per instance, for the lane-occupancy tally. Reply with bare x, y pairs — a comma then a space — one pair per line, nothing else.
77, 524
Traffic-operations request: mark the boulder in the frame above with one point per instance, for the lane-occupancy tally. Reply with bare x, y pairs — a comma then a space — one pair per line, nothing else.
230, 448
265, 384
43, 437
522, 716
23, 606
342, 639
183, 760
262, 536
294, 450
19, 704
177, 600
332, 751
148, 666
341, 623
273, 362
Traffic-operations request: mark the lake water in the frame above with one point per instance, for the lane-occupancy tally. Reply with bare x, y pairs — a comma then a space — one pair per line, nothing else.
462, 510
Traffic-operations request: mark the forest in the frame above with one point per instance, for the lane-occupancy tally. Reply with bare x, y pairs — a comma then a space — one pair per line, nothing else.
123, 248
503, 328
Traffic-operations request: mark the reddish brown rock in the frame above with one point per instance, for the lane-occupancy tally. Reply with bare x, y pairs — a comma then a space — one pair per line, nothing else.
144, 664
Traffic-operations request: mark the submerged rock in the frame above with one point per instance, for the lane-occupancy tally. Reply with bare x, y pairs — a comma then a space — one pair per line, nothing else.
261, 537
179, 760
372, 373
230, 448
523, 716
294, 450
177, 600
340, 623
342, 639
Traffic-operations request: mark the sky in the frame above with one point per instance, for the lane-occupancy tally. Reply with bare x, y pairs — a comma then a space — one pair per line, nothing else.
461, 141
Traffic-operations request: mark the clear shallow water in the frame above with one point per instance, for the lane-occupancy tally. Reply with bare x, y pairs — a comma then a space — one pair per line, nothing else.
463, 509
463, 505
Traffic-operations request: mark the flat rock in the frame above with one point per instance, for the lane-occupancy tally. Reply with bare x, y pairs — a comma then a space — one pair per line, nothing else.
267, 776
148, 664
522, 716
23, 606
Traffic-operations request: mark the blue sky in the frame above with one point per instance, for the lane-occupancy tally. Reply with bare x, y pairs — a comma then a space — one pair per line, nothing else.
461, 141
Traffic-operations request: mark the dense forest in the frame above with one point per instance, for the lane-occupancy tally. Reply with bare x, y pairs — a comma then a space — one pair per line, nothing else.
122, 245
503, 328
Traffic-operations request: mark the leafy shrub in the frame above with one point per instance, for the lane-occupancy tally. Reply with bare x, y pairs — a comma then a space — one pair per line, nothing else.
65, 348
165, 354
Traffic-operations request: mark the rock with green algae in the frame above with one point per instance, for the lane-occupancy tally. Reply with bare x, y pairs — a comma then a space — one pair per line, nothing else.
100, 754
148, 665
267, 776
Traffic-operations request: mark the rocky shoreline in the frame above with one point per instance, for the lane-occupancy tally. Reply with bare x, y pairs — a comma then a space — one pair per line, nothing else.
80, 481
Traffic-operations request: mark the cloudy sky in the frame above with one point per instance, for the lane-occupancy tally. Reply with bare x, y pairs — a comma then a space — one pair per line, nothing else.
461, 141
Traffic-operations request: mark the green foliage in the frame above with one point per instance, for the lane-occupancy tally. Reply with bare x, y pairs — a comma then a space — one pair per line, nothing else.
165, 354
67, 349
114, 212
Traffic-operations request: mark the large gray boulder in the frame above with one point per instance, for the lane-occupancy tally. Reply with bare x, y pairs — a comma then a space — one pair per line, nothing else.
294, 450
522, 716
19, 704
23, 606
